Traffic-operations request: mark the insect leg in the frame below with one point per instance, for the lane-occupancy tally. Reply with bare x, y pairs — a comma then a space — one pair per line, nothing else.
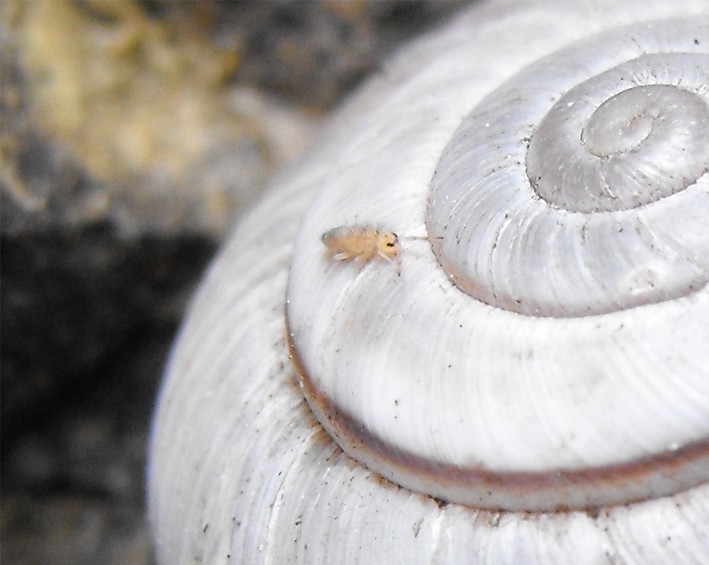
396, 263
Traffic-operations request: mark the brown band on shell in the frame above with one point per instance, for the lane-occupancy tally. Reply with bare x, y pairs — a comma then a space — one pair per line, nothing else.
555, 490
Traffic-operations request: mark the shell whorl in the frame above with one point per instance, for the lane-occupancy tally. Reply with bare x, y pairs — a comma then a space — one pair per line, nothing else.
560, 390
576, 175
570, 207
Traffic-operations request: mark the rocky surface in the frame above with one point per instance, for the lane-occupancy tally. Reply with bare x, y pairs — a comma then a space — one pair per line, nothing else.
73, 481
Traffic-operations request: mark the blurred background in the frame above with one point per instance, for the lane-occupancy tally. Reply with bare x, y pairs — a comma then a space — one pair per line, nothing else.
133, 134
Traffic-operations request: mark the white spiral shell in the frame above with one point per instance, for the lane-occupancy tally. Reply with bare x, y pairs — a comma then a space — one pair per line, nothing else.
538, 376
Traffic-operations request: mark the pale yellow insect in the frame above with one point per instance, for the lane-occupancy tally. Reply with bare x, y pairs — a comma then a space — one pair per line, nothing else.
362, 244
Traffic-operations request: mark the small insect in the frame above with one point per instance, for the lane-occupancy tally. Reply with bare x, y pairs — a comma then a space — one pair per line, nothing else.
362, 244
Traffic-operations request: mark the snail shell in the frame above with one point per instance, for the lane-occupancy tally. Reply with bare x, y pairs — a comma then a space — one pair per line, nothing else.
535, 384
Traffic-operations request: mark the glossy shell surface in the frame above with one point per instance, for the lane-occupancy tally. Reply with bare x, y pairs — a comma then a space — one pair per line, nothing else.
535, 384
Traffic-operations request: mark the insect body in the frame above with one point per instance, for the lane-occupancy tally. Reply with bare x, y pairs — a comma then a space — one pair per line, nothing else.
362, 244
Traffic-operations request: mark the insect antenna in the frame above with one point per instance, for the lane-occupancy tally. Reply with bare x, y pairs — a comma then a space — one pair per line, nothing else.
426, 237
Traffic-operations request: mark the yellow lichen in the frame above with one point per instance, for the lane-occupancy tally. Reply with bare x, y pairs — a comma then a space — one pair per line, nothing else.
130, 94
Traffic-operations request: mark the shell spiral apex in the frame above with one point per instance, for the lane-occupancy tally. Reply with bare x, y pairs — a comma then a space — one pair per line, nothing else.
572, 207
532, 379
